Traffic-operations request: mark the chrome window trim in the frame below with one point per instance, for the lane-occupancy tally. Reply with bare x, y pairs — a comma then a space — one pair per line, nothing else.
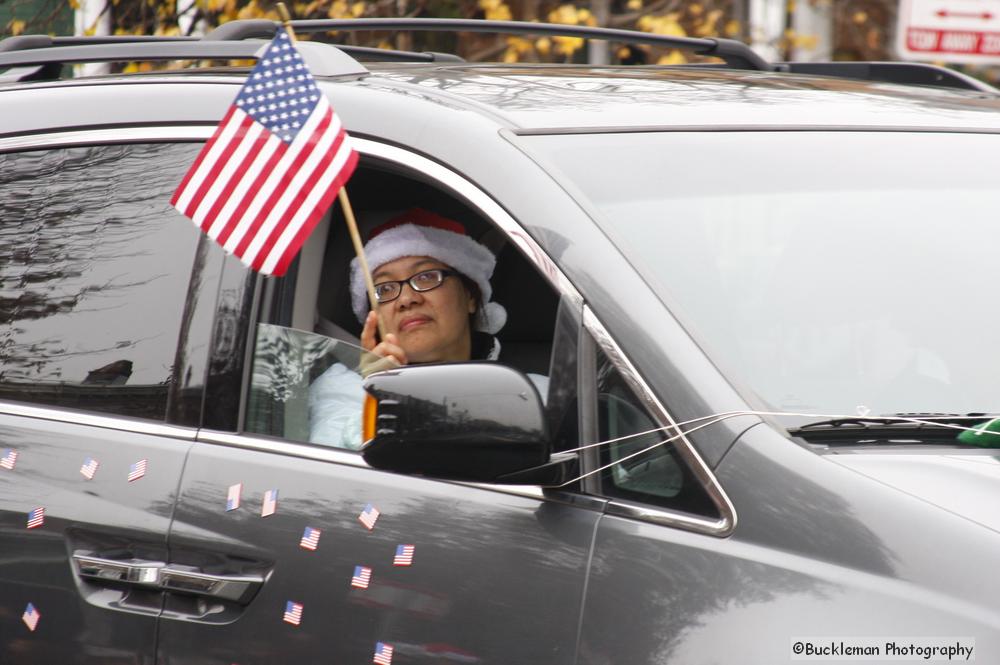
727, 521
94, 420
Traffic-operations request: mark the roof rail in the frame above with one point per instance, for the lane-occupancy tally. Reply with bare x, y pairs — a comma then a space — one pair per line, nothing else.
24, 42
909, 73
735, 54
31, 59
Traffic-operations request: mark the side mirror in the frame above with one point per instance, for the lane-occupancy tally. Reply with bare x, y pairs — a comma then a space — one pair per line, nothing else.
470, 421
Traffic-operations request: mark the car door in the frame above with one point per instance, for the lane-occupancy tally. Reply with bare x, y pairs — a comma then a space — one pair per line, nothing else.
344, 563
100, 325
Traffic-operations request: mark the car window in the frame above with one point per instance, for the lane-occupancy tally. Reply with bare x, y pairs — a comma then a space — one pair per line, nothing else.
306, 383
814, 290
639, 463
94, 270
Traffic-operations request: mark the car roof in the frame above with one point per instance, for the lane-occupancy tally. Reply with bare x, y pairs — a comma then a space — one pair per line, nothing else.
559, 99
546, 98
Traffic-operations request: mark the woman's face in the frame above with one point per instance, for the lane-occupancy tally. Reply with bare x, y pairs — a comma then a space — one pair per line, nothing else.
432, 326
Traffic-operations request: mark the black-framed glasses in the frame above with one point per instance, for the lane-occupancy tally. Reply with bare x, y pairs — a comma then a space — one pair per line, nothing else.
426, 280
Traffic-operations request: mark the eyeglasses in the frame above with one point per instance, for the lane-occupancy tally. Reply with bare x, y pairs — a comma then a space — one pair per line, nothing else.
428, 280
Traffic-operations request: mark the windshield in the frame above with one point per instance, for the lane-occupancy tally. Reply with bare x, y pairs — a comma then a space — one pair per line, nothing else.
831, 271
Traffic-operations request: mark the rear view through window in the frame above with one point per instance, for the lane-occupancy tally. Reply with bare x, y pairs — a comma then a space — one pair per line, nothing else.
94, 269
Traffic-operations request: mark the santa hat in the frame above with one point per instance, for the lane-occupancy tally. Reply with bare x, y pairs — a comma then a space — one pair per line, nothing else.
418, 232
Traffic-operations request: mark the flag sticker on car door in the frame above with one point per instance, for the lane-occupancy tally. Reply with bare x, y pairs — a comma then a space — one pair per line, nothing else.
270, 505
8, 459
404, 555
233, 496
137, 470
89, 468
36, 518
30, 617
383, 654
369, 516
293, 613
362, 577
310, 539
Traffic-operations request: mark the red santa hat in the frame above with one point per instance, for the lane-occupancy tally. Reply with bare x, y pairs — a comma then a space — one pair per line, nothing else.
418, 232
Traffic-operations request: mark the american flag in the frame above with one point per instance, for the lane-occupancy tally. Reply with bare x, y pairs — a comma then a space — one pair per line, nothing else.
268, 174
383, 654
293, 613
137, 470
362, 577
404, 555
233, 496
89, 468
369, 516
31, 617
310, 539
9, 458
270, 505
36, 518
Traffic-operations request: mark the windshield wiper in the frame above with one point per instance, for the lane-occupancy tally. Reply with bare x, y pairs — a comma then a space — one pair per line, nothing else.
899, 428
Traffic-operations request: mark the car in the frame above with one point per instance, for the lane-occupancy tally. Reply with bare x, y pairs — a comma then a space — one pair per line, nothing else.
761, 294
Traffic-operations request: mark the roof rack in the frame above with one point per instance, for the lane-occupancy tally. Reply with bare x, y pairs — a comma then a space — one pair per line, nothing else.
736, 55
31, 62
909, 73
34, 57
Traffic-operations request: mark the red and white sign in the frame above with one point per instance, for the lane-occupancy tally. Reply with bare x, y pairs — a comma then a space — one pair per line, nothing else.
949, 31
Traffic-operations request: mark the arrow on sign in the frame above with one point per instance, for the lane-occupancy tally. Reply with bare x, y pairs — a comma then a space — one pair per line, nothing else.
944, 13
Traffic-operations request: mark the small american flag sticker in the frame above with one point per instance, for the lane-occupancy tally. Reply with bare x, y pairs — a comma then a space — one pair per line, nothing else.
9, 458
137, 470
233, 496
404, 555
270, 505
383, 654
362, 577
89, 468
293, 613
369, 516
36, 518
310, 539
31, 617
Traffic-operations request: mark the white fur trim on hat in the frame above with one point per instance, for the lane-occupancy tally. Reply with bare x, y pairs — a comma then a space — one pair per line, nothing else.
457, 251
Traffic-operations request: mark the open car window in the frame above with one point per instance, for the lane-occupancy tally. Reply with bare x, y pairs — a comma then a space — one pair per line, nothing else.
305, 384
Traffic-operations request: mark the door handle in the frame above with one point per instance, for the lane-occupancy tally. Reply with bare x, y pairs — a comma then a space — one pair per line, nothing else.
158, 575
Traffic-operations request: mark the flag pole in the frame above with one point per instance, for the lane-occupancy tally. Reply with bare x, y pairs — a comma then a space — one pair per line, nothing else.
345, 203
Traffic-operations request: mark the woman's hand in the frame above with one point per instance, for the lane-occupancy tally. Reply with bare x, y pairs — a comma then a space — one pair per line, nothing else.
388, 349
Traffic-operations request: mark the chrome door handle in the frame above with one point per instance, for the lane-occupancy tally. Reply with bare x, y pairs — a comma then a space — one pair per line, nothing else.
237, 588
158, 575
131, 571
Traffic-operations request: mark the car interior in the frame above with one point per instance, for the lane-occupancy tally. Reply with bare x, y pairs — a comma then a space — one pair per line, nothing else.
378, 193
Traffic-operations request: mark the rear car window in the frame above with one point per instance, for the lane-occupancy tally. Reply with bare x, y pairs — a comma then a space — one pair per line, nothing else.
94, 270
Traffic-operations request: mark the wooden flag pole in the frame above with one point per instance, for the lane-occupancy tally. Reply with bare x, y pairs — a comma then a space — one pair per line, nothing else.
359, 249
345, 203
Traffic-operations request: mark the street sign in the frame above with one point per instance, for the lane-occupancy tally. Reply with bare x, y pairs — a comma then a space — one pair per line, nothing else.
949, 31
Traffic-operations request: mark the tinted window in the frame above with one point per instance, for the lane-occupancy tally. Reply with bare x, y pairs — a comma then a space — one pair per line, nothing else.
304, 382
641, 464
94, 267
863, 280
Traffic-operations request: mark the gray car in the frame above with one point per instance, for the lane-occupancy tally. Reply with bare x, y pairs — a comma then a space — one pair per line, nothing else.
762, 296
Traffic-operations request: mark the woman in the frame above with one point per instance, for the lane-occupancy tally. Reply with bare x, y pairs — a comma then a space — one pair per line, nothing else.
433, 292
